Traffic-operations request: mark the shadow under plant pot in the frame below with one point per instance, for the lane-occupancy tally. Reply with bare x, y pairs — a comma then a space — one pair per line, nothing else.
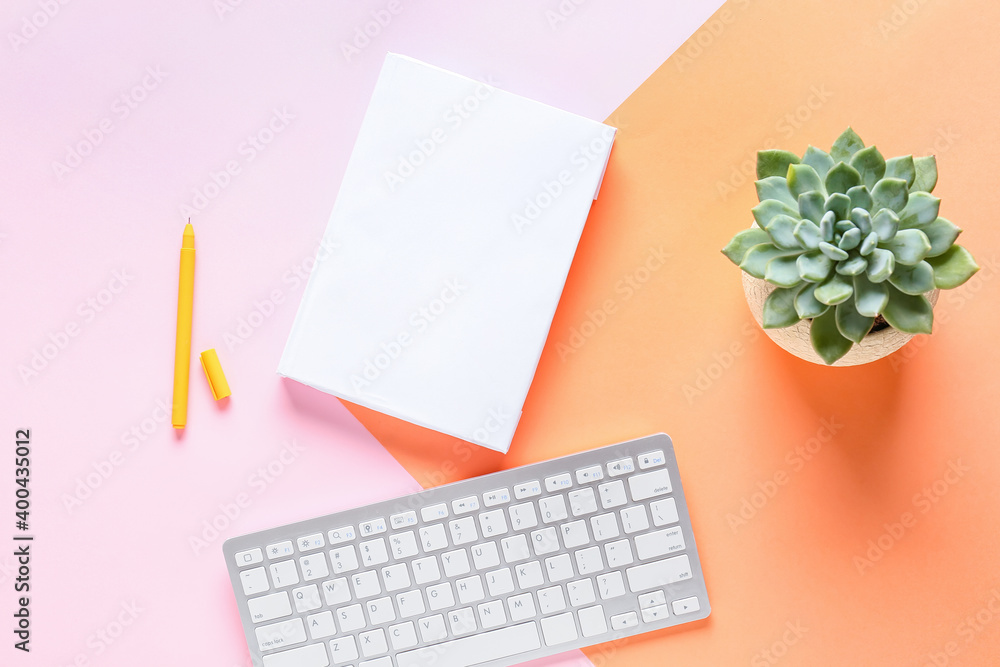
879, 343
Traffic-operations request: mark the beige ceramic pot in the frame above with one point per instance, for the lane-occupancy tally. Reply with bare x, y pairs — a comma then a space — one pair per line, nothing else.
795, 339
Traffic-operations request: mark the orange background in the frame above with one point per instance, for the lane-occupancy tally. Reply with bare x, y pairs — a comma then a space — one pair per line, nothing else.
680, 353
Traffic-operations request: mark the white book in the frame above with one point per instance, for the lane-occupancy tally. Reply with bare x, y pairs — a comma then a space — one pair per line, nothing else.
446, 252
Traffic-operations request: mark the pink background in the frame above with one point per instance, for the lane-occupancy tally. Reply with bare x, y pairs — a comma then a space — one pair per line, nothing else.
91, 248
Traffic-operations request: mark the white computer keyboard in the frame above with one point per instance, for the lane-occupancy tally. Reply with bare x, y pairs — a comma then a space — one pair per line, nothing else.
494, 570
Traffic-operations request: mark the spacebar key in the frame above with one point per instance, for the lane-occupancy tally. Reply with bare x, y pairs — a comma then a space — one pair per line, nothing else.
474, 650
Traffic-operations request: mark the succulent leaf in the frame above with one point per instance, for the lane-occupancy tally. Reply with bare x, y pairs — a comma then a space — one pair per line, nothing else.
885, 224
869, 298
782, 231
942, 234
908, 313
802, 179
740, 244
767, 209
914, 280
902, 168
922, 209
775, 187
869, 244
880, 265
862, 220
783, 272
841, 228
806, 304
850, 240
852, 325
826, 226
852, 266
814, 266
890, 193
953, 267
774, 163
819, 160
927, 174
832, 251
846, 145
807, 234
811, 206
826, 338
756, 260
861, 197
909, 246
839, 204
779, 309
842, 178
870, 164
834, 290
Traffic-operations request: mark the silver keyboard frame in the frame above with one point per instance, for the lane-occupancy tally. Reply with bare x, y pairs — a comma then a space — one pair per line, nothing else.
695, 586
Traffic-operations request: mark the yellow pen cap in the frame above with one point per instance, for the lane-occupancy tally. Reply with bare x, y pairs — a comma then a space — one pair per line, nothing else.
213, 371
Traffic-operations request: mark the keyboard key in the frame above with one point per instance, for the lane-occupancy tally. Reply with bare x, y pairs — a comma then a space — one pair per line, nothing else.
306, 598
624, 621
373, 643
280, 550
649, 484
621, 467
654, 614
500, 582
590, 474
575, 534
395, 577
664, 511
610, 585
552, 508
497, 497
403, 545
605, 526
380, 611
310, 542
269, 607
281, 634
654, 599
529, 575
425, 570
434, 512
476, 649
559, 629
440, 596
470, 589
558, 482
485, 556
307, 656
581, 592
403, 520
336, 591
341, 535
582, 501
343, 649
254, 581
432, 629
491, 614
321, 625
589, 561
545, 541
493, 524
619, 553
366, 584
385, 661
523, 516
373, 527
465, 505
686, 605
651, 459
351, 618
462, 621
402, 636
634, 519
463, 530
410, 603
551, 600
249, 557
313, 567
433, 538
659, 543
373, 552
612, 494
344, 559
515, 548
284, 574
559, 568
592, 621
521, 607
658, 573
456, 562
527, 490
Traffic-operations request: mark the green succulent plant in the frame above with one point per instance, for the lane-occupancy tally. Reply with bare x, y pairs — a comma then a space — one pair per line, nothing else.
846, 237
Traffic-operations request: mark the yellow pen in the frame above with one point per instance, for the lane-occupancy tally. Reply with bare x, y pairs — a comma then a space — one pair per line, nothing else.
182, 352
